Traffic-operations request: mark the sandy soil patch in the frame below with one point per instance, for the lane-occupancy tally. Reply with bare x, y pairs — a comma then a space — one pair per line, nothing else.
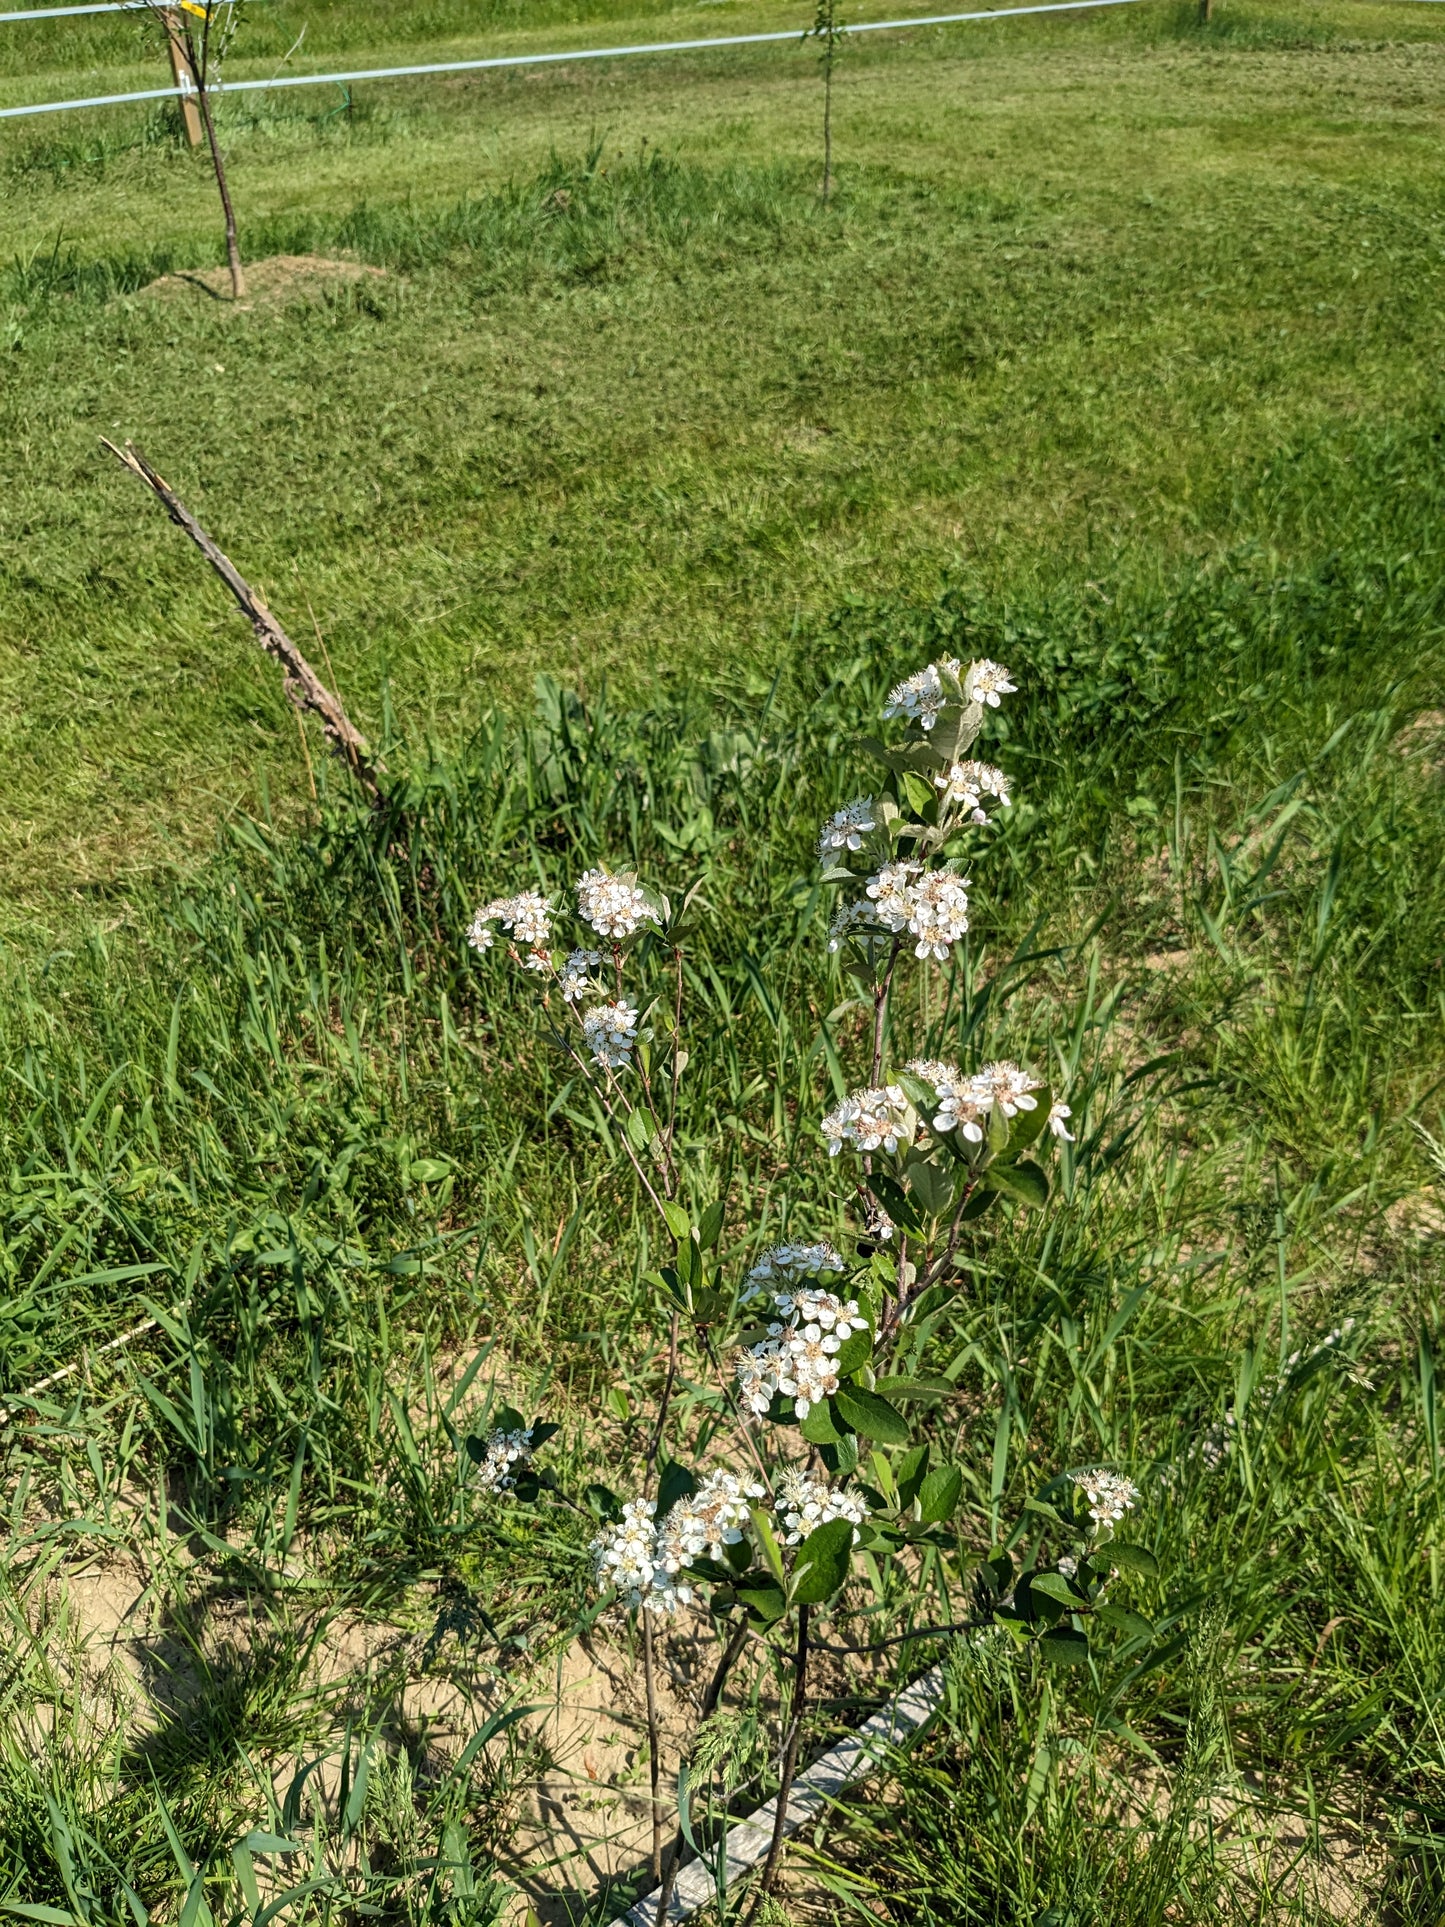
279, 278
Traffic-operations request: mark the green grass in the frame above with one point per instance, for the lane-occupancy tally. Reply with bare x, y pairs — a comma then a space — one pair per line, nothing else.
1115, 360
1097, 297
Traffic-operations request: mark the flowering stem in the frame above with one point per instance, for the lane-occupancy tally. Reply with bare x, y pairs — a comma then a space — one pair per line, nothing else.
880, 1011
789, 1768
654, 1747
709, 1706
729, 1393
655, 1445
676, 1046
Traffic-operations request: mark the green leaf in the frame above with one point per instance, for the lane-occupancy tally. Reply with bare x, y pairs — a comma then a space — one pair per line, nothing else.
711, 1224
916, 1388
922, 796
676, 1483
1024, 1181
1053, 1585
1027, 1127
853, 1354
768, 1540
909, 1474
639, 1130
822, 1562
930, 1187
678, 1222
429, 1170
764, 1603
820, 1427
603, 1502
874, 1417
1062, 1643
1134, 1557
1125, 1621
895, 1201
939, 1494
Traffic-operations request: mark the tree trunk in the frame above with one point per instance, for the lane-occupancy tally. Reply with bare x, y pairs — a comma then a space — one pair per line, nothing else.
303, 686
233, 251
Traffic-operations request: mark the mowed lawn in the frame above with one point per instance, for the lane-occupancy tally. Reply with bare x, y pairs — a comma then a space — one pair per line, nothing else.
1095, 294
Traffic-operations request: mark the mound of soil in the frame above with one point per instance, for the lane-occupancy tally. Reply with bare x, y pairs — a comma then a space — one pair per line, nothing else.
281, 277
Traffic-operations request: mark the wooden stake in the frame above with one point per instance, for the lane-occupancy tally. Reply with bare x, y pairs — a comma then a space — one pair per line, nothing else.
303, 686
185, 79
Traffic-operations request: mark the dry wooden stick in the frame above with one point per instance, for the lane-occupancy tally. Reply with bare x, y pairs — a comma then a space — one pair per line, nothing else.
303, 686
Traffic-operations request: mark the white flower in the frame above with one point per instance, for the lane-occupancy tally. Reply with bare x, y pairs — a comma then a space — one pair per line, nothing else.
823, 1309
846, 920
1109, 1494
576, 974
892, 893
986, 681
528, 917
715, 1517
877, 1119
610, 1031
877, 1222
960, 1103
921, 697
757, 1372
799, 1359
938, 913
932, 905
969, 783
1068, 1565
1059, 1112
784, 1263
804, 1503
846, 828
613, 905
505, 1453
1005, 1085
627, 1556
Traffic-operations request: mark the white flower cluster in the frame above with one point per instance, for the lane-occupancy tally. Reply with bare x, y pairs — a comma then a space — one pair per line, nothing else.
625, 1556
932, 905
846, 828
853, 920
921, 697
613, 905
877, 1119
1109, 1495
986, 681
968, 783
713, 1518
528, 917
964, 1101
643, 1559
610, 1031
506, 1454
804, 1503
799, 1359
577, 972
785, 1264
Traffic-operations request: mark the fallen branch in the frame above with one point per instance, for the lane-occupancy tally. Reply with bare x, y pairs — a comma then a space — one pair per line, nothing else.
303, 686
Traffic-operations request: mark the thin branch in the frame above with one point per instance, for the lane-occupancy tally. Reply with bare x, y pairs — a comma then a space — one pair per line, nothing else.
303, 686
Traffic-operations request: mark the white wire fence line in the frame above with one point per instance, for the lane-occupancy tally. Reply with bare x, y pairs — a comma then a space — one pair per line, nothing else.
60, 13
538, 59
